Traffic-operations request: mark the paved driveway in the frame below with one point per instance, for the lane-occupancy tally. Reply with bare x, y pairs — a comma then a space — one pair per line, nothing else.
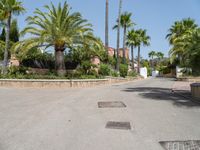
69, 119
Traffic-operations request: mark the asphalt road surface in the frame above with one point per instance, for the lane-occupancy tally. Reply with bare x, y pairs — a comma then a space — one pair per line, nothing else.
69, 119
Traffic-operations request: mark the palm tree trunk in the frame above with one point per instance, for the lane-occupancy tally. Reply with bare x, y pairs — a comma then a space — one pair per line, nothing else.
124, 46
132, 57
106, 28
5, 61
118, 35
138, 59
59, 61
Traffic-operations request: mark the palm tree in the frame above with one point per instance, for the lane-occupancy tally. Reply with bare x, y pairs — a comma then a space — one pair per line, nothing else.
132, 42
58, 28
160, 55
107, 26
143, 39
7, 9
178, 36
118, 34
125, 23
151, 55
192, 52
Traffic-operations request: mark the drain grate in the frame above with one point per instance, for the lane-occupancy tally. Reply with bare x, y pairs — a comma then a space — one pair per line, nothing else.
118, 125
114, 104
181, 145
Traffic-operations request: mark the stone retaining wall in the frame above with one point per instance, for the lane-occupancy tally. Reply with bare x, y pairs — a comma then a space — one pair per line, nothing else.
23, 83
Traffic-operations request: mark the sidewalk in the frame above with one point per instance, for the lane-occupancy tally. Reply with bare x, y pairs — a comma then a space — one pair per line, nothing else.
182, 88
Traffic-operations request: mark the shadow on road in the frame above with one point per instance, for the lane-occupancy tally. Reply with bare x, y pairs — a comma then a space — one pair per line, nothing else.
155, 93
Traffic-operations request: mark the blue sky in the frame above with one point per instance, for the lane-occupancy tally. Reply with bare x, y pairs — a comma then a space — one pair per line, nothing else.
154, 15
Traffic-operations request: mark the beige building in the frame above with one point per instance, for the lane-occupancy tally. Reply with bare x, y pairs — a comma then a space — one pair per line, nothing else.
111, 52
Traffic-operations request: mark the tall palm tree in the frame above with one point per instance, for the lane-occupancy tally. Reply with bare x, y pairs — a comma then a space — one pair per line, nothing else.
7, 9
192, 52
107, 26
125, 23
143, 39
118, 34
151, 55
160, 55
178, 36
132, 42
57, 28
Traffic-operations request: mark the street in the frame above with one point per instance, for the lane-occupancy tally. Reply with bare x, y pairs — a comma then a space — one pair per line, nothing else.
69, 119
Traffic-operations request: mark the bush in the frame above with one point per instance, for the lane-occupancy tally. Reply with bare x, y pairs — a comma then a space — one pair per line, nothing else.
50, 77
132, 74
87, 66
166, 70
93, 72
87, 77
123, 70
14, 70
114, 74
149, 71
80, 74
112, 61
22, 73
104, 70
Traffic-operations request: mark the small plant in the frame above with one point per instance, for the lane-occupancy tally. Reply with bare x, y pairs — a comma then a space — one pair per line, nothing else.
112, 61
132, 74
93, 72
13, 70
87, 66
87, 77
123, 70
104, 70
114, 74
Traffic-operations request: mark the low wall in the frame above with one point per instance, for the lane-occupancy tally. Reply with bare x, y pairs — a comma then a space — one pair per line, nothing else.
22, 83
195, 89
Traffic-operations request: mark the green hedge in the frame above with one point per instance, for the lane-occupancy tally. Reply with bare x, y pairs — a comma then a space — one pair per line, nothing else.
104, 70
123, 70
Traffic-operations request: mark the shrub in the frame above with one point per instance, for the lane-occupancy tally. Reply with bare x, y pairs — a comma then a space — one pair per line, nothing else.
114, 74
112, 61
166, 70
87, 77
149, 71
104, 70
132, 74
14, 70
93, 72
123, 70
80, 74
87, 66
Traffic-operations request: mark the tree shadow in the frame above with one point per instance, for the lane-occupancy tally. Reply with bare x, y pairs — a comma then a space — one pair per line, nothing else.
179, 98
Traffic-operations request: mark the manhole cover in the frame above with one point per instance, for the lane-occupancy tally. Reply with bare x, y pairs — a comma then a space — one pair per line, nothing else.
118, 125
181, 145
114, 104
